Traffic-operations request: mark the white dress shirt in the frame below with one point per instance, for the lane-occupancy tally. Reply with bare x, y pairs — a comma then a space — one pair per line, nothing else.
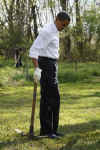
46, 44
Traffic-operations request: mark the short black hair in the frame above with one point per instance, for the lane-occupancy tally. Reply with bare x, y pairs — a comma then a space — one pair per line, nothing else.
63, 16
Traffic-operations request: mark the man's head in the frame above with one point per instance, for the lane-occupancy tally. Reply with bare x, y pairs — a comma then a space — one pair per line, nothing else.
62, 20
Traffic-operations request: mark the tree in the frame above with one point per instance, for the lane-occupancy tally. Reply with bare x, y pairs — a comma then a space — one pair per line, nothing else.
66, 41
16, 20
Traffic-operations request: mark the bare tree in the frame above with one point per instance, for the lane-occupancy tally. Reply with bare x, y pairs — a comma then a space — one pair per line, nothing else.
66, 39
79, 29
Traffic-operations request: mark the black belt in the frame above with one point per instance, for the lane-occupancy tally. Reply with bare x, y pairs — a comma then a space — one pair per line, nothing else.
47, 58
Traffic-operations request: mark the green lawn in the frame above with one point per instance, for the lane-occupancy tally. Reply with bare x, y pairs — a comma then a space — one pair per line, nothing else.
79, 113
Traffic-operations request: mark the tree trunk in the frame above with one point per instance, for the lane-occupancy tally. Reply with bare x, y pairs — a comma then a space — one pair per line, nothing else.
35, 20
67, 40
79, 32
63, 4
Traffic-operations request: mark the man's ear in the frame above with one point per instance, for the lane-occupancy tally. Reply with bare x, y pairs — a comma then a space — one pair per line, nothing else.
56, 20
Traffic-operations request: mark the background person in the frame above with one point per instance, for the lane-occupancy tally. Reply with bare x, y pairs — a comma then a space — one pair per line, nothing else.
18, 57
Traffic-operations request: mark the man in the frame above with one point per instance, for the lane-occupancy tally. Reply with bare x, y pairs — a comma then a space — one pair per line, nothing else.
44, 54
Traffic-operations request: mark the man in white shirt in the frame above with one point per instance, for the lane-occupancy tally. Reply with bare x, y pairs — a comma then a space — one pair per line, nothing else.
45, 53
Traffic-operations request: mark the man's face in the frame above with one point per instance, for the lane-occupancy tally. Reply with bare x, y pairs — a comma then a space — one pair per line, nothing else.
61, 24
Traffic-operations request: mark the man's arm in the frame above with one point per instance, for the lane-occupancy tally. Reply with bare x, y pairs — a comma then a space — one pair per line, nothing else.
35, 62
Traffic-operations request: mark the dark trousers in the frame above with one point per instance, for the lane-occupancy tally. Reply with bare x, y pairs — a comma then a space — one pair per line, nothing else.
50, 98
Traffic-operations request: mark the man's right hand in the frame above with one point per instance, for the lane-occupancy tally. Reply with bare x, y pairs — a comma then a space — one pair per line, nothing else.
37, 74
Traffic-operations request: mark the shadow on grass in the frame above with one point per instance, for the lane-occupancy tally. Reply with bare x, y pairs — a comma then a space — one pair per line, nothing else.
80, 128
16, 141
9, 101
84, 136
75, 98
89, 145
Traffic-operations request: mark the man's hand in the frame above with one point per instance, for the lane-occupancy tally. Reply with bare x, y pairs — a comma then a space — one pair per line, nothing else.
37, 74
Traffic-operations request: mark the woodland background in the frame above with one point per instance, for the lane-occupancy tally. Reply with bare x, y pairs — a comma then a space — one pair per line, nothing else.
21, 20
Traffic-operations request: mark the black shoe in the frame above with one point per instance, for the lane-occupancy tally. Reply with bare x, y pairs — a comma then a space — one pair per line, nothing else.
52, 136
59, 134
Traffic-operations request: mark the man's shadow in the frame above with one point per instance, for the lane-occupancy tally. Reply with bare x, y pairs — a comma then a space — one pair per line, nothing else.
72, 134
82, 136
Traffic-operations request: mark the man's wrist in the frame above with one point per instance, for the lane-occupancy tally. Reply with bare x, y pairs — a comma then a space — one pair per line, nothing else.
35, 62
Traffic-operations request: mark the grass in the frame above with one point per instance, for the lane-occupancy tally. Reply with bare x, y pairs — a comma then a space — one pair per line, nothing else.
79, 113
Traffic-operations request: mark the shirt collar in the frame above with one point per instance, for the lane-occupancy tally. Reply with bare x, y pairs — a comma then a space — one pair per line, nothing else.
54, 27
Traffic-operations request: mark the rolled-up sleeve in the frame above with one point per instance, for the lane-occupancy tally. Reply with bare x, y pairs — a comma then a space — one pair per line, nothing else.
33, 53
39, 44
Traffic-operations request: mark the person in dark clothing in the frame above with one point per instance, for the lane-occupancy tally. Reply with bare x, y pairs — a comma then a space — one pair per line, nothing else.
45, 53
18, 57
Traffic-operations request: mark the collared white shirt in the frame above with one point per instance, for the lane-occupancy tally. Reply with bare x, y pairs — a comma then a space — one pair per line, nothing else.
46, 44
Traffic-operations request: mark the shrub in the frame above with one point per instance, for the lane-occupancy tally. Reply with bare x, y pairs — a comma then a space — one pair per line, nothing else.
72, 76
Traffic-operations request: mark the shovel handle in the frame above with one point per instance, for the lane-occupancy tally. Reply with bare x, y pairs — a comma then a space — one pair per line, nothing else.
31, 131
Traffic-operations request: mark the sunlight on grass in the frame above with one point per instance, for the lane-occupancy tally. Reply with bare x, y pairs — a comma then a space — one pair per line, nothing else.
79, 113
